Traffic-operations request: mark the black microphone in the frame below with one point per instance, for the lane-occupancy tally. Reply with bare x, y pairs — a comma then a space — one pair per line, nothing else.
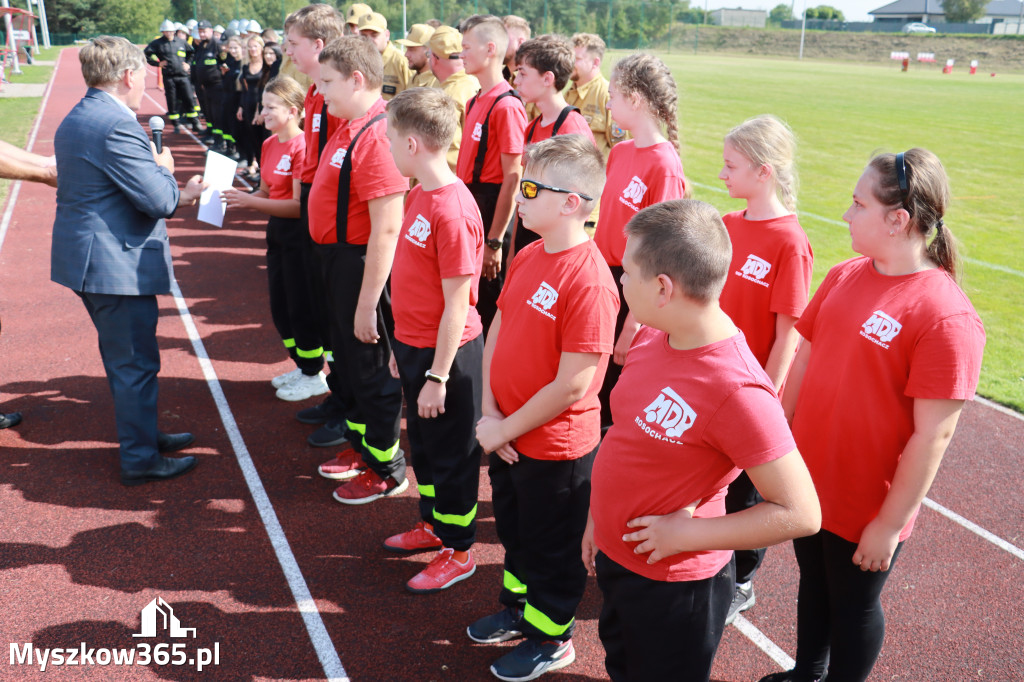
156, 124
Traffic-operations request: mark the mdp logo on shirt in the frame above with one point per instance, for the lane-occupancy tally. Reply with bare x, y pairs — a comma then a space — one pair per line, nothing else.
478, 131
670, 412
543, 299
418, 231
338, 158
284, 166
316, 123
635, 191
755, 270
880, 328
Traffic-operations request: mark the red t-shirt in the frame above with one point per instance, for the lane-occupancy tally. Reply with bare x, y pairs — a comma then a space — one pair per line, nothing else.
284, 159
504, 134
374, 175
686, 421
554, 303
574, 124
770, 275
877, 343
442, 237
314, 106
637, 178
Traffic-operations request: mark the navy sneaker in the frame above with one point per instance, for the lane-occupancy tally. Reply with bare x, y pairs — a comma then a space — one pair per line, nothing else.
499, 627
532, 658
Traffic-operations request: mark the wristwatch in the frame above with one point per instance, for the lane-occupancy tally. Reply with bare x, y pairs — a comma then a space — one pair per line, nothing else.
436, 378
493, 244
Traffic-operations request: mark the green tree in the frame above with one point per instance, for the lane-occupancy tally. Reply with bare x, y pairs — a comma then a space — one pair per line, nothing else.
825, 13
781, 13
964, 11
131, 17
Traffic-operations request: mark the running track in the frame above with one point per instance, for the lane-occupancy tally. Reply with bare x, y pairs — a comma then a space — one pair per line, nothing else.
251, 550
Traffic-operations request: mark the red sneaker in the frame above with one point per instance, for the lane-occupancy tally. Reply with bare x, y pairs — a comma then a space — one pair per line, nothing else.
419, 539
347, 464
367, 487
442, 572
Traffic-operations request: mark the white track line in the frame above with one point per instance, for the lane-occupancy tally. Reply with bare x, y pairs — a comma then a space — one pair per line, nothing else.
839, 223
762, 642
318, 635
975, 528
12, 198
325, 650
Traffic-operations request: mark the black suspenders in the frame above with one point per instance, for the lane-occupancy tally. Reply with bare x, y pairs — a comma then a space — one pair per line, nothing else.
344, 175
562, 115
481, 150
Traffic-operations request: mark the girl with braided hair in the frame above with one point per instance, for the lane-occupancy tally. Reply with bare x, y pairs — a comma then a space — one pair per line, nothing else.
892, 350
643, 171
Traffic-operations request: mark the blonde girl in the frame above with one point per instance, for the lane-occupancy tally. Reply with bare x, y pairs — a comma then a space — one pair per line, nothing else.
641, 172
288, 261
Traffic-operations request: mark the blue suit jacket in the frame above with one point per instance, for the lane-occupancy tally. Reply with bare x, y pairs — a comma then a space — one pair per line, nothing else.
109, 236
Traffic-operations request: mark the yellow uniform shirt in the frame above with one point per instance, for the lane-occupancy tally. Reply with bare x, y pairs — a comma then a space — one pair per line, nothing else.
424, 80
396, 72
460, 87
592, 101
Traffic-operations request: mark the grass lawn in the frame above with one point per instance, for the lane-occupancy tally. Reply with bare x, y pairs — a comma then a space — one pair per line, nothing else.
842, 113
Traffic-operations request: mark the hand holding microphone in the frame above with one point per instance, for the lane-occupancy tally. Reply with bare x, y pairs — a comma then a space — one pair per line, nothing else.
160, 155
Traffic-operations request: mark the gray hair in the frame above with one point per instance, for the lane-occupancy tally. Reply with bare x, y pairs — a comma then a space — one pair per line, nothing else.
105, 58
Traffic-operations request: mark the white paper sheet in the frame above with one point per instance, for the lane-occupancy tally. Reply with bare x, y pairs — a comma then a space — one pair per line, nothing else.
220, 173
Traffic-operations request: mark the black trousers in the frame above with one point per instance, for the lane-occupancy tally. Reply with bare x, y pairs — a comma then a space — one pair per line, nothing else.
445, 453
126, 327
211, 101
611, 377
540, 513
743, 495
654, 630
486, 195
181, 101
291, 301
371, 397
840, 624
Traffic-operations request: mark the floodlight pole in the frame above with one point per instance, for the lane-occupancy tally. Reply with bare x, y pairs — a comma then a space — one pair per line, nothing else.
803, 30
44, 28
10, 38
405, 29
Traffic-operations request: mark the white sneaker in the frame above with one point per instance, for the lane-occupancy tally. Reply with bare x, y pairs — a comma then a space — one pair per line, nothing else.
286, 378
304, 387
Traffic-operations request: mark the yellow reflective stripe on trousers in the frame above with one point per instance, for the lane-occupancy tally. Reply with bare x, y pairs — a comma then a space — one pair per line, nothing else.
512, 584
358, 428
315, 353
538, 620
379, 455
455, 519
425, 490
288, 343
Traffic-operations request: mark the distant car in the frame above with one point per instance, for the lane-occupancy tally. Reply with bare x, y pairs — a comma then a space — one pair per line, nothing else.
918, 27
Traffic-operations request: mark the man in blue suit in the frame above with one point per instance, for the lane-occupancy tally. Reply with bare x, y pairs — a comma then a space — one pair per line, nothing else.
110, 244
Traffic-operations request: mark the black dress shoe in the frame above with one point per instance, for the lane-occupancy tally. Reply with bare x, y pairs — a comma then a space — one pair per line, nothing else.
10, 419
172, 442
165, 468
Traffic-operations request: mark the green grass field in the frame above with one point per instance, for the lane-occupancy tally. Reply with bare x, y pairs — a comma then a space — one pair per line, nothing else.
842, 113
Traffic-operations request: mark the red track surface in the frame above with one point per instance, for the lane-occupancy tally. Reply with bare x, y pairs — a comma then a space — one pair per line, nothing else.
81, 555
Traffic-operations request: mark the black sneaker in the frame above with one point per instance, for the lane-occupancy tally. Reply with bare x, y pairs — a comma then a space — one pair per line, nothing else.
329, 435
532, 658
791, 676
318, 414
742, 600
499, 627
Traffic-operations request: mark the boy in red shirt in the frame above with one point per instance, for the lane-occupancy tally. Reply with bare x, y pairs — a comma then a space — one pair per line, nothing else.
491, 151
355, 215
438, 345
691, 407
543, 67
544, 361
307, 31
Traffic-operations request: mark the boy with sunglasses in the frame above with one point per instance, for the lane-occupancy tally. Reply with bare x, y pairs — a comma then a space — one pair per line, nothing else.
544, 362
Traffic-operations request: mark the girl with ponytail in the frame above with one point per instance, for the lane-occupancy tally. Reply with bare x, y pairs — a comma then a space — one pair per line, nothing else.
892, 350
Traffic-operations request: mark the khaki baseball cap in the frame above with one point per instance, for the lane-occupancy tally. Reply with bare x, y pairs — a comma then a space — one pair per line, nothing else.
446, 43
373, 22
356, 12
418, 36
